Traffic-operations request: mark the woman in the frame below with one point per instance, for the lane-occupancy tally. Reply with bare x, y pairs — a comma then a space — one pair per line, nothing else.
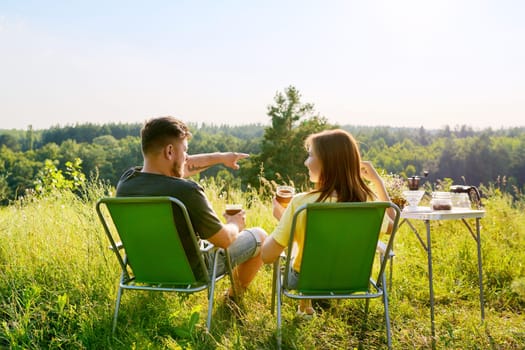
335, 167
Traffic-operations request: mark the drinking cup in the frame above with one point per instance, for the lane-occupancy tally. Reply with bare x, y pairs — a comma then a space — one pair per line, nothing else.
232, 209
284, 195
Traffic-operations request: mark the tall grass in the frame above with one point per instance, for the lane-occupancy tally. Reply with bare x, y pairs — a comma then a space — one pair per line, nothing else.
58, 284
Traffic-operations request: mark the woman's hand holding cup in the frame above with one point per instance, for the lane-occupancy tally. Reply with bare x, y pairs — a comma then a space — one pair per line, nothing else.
283, 196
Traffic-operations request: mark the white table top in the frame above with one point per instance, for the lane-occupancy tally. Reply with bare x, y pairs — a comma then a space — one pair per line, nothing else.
425, 213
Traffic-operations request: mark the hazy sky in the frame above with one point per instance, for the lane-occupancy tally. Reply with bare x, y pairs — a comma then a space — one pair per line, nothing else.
387, 62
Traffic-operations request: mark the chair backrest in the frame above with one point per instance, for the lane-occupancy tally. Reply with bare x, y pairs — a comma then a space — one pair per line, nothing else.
339, 245
158, 238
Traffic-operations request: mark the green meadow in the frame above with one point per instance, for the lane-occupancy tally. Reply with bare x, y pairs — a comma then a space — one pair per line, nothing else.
58, 283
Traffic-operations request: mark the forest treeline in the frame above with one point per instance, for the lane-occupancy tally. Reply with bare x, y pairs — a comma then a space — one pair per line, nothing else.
276, 150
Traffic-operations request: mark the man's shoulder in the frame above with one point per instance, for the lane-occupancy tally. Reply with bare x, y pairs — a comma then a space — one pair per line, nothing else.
134, 182
136, 172
129, 173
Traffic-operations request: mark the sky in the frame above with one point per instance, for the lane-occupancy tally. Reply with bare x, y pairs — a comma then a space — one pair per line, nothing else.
402, 63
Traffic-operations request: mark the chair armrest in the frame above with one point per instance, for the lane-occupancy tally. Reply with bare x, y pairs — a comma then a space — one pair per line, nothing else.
119, 246
205, 246
381, 249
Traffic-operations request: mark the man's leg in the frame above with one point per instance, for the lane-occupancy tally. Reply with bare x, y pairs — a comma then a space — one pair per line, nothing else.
245, 254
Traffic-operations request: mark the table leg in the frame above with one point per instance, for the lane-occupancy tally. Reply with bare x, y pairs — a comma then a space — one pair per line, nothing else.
480, 271
431, 284
477, 238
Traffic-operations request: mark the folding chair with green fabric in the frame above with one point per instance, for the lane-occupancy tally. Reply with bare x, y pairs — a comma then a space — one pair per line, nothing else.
339, 250
157, 249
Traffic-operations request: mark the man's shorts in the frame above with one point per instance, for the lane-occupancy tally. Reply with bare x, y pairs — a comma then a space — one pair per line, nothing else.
246, 246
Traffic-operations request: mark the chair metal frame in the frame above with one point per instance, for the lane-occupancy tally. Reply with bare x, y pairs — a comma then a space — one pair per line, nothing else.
376, 287
175, 283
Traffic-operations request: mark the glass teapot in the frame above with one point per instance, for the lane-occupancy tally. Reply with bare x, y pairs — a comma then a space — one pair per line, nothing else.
472, 191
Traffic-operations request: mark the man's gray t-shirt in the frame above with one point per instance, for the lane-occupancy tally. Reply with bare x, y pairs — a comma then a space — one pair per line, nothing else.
135, 183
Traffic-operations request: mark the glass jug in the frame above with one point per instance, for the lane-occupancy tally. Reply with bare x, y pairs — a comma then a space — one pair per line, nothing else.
460, 200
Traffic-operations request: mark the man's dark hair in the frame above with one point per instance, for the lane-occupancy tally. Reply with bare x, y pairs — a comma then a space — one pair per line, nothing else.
158, 132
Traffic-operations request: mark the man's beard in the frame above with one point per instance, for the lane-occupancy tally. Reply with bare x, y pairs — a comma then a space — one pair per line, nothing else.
177, 170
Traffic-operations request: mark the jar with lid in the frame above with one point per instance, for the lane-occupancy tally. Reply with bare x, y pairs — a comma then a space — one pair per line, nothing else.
441, 201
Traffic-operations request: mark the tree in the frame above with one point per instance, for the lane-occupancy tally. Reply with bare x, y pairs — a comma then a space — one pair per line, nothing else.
4, 189
50, 178
282, 151
10, 142
422, 136
29, 138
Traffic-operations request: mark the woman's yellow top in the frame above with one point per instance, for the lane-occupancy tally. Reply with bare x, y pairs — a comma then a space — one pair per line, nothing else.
281, 234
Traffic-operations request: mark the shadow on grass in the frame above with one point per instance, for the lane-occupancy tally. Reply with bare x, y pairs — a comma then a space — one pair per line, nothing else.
339, 326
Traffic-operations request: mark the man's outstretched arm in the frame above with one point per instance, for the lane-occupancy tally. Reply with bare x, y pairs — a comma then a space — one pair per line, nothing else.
199, 162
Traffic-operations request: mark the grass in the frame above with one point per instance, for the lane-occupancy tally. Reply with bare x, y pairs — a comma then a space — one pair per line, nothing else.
58, 286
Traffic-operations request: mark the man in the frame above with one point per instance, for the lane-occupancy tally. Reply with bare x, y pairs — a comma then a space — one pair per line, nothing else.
166, 163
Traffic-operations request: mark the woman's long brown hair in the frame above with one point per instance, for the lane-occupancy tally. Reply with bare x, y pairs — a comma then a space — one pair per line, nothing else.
340, 160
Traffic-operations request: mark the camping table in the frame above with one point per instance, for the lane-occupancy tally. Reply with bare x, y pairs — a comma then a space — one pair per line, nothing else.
425, 215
